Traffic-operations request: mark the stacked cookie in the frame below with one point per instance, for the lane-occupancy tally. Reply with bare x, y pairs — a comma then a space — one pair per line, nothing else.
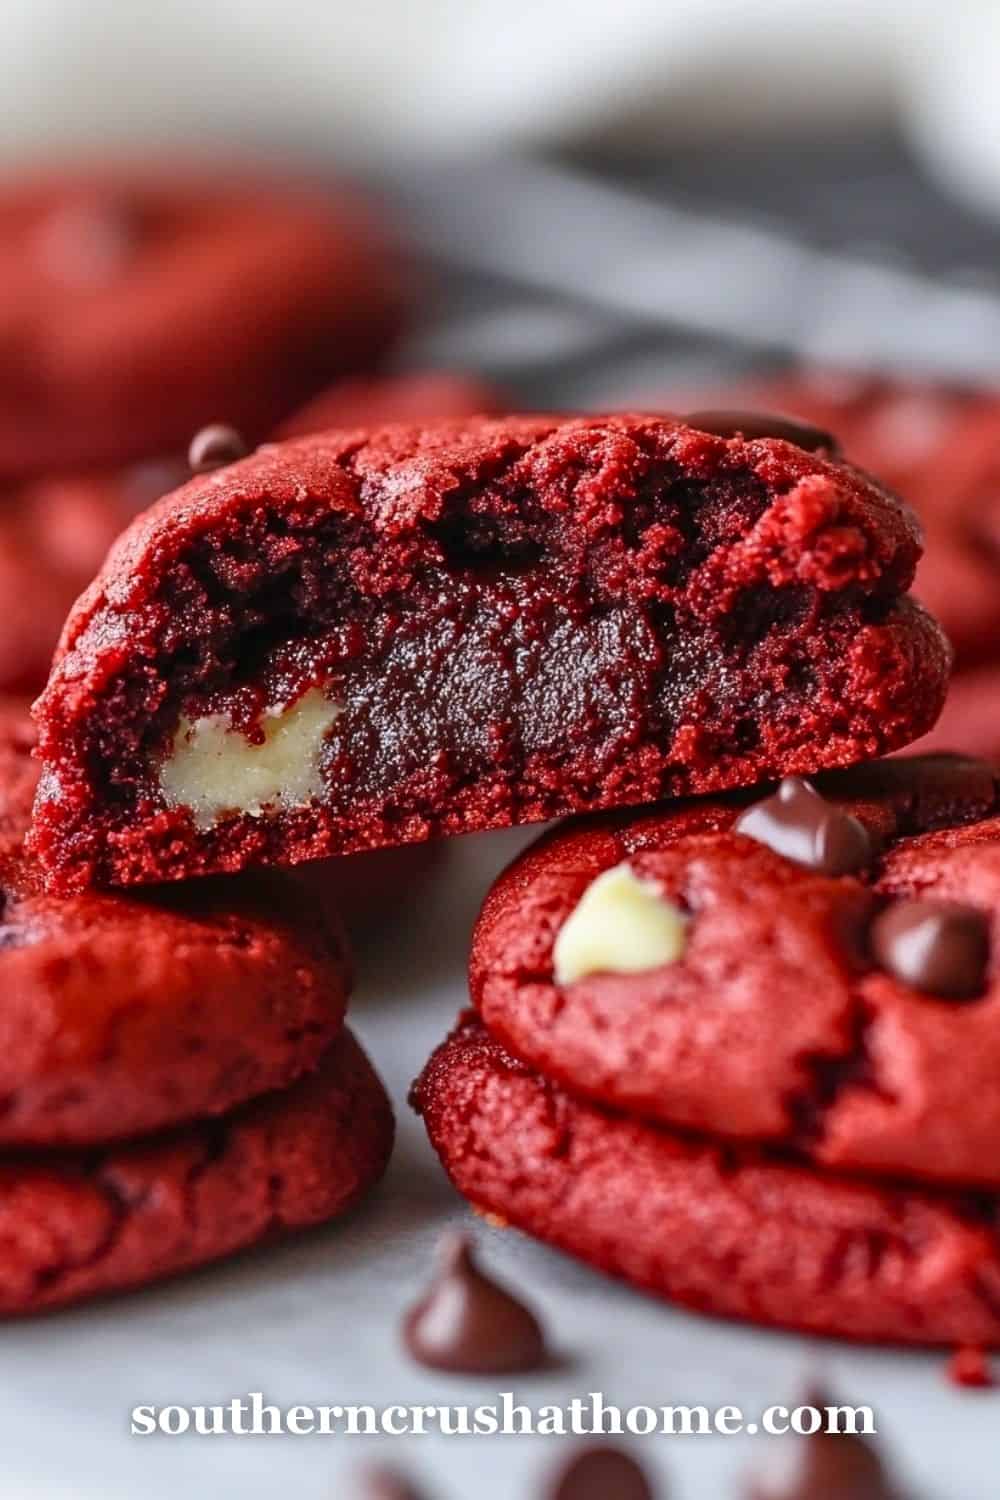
354, 640
176, 1079
743, 1052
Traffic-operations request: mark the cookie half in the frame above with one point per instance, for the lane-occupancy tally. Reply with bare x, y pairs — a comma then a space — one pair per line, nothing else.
350, 641
78, 1225
122, 1015
734, 1232
790, 1008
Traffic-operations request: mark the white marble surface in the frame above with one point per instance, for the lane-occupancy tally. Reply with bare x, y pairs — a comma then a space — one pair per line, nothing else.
317, 1322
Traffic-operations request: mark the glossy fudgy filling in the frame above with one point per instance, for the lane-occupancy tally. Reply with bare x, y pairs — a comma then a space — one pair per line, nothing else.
479, 675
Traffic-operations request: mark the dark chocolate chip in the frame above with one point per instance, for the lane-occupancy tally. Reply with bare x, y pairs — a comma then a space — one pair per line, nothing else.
214, 447
759, 424
89, 243
824, 1466
602, 1474
379, 1483
942, 947
467, 1323
799, 824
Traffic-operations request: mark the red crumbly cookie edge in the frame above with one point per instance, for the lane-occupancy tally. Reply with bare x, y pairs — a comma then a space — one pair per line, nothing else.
824, 533
735, 1233
81, 1225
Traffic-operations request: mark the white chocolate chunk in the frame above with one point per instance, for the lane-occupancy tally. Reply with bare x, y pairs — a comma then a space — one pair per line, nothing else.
622, 924
214, 769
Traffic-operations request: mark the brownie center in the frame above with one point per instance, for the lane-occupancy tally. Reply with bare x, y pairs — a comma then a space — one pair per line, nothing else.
491, 674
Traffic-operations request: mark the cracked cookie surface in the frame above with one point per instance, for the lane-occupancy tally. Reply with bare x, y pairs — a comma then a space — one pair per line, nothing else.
729, 1230
774, 1024
121, 1015
78, 1225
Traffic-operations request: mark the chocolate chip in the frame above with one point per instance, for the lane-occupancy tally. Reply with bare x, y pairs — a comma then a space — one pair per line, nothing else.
378, 1483
467, 1323
89, 243
799, 824
942, 947
602, 1474
825, 1466
214, 447
759, 424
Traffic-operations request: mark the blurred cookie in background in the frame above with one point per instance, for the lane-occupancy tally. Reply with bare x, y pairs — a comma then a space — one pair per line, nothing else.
970, 720
54, 533
137, 304
413, 396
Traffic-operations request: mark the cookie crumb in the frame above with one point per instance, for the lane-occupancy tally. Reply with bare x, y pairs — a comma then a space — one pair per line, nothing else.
970, 1367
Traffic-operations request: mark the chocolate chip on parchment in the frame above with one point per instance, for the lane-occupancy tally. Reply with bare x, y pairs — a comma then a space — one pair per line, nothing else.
602, 1473
467, 1323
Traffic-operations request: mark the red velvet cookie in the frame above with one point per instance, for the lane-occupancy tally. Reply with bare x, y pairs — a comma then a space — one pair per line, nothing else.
351, 641
121, 1015
414, 396
80, 1225
781, 1008
730, 1231
135, 305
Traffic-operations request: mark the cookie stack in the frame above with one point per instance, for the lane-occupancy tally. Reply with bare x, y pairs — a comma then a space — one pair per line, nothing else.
724, 1048
743, 1052
176, 1078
